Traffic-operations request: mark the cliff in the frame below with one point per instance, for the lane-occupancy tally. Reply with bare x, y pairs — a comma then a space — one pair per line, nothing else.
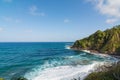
107, 41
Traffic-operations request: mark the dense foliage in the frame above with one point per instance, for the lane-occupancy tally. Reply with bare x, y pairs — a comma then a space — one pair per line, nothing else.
107, 41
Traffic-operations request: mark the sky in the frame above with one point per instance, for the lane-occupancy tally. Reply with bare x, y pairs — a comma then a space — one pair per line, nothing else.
55, 20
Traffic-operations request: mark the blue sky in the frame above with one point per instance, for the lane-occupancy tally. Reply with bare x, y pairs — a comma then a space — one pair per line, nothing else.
55, 20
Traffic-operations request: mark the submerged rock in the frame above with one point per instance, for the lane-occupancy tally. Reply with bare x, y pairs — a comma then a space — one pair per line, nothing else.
19, 78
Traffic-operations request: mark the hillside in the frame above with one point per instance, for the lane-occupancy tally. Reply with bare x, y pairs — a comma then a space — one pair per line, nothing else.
107, 41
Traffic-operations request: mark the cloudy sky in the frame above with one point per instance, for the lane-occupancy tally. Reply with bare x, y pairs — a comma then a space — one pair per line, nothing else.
55, 20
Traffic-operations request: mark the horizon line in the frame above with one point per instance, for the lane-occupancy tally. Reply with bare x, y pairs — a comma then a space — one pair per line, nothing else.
33, 41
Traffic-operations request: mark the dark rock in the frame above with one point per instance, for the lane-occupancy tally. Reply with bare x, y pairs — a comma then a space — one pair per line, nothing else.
19, 78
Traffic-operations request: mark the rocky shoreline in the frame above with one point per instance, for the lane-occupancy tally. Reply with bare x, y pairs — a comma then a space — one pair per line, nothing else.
95, 52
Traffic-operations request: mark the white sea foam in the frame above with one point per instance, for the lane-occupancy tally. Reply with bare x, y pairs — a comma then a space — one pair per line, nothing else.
62, 72
48, 71
67, 46
98, 54
86, 51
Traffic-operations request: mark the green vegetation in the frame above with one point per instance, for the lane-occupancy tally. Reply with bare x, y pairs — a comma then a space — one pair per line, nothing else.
2, 79
19, 78
107, 41
106, 73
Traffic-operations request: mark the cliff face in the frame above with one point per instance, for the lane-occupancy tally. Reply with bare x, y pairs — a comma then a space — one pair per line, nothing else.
107, 41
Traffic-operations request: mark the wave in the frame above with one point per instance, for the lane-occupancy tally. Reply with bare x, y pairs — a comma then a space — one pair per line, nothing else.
67, 46
68, 67
62, 72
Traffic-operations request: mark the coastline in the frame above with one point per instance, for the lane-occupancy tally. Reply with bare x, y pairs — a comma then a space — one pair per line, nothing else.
86, 50
95, 52
117, 57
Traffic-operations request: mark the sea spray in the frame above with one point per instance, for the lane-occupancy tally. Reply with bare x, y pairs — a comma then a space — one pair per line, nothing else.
67, 46
63, 72
68, 67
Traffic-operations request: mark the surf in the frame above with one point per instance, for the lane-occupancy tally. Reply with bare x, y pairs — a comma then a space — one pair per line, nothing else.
67, 68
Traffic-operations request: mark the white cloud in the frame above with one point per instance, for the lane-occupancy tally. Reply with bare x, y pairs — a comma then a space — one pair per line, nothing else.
110, 21
66, 20
110, 8
34, 11
9, 19
17, 20
1, 29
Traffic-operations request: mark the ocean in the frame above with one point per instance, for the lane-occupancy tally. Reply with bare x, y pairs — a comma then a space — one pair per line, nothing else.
47, 61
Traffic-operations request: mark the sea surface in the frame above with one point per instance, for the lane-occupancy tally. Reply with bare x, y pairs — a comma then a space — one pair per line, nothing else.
47, 61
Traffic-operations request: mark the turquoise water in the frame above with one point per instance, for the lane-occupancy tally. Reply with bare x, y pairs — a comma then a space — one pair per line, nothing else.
45, 61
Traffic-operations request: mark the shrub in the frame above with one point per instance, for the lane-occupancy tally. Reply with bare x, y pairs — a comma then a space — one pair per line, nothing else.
2, 79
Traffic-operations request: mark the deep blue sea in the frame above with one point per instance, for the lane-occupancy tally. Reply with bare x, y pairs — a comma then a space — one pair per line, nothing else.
46, 61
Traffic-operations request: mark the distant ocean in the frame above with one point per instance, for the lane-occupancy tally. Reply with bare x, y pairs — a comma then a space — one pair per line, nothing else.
46, 61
